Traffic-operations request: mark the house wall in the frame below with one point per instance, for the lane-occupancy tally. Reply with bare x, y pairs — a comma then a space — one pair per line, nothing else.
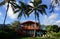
30, 26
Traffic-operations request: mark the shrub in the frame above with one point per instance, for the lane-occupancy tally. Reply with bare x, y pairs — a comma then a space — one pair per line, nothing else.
57, 34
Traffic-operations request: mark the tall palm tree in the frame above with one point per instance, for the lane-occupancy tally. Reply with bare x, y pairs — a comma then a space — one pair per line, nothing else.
12, 2
38, 8
3, 3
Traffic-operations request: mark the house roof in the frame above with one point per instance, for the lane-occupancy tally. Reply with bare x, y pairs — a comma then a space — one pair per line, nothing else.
29, 22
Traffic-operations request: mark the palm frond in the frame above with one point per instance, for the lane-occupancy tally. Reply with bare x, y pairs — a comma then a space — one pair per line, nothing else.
29, 6
26, 12
36, 2
44, 11
42, 6
25, 15
37, 14
22, 3
40, 11
13, 0
7, 6
2, 3
15, 5
30, 12
13, 8
16, 11
20, 14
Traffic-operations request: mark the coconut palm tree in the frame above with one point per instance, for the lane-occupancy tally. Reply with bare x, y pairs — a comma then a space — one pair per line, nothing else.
12, 2
8, 2
38, 9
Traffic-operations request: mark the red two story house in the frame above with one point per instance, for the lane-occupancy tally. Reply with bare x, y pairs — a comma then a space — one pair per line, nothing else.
28, 28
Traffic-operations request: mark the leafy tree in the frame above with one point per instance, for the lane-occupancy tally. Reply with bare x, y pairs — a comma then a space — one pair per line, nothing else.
15, 25
48, 28
55, 28
49, 31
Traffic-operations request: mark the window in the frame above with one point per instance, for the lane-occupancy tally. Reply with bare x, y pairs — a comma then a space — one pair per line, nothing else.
32, 24
31, 32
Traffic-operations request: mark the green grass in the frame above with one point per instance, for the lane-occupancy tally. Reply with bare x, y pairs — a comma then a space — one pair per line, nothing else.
36, 38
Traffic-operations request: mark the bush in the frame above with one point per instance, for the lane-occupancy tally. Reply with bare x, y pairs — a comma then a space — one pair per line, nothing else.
8, 34
57, 34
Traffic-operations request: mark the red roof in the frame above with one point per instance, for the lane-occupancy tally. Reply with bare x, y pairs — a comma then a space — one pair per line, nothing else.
29, 22
30, 27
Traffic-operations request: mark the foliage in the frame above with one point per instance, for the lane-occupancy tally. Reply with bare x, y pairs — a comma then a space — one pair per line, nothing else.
54, 28
48, 28
54, 4
21, 9
53, 31
8, 33
12, 2
15, 25
56, 34
26, 9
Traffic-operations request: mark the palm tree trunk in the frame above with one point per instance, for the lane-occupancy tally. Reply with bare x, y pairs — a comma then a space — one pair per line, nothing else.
5, 17
34, 29
35, 26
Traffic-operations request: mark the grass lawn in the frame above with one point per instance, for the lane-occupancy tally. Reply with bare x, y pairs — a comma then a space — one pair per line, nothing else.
36, 38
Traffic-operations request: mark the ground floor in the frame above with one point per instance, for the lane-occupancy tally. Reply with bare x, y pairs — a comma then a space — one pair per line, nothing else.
31, 32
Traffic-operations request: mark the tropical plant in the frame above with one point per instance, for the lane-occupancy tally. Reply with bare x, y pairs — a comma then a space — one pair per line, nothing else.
15, 25
48, 28
21, 9
12, 2
13, 5
56, 34
53, 4
38, 9
54, 28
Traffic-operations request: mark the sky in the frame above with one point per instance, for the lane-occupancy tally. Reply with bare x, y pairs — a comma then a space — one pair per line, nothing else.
49, 19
